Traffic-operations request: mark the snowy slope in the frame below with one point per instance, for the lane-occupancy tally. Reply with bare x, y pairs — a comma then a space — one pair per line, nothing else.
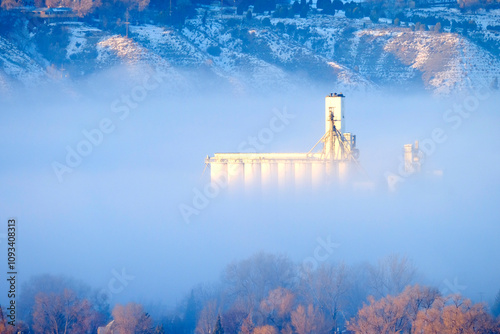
289, 54
440, 62
447, 61
118, 50
17, 67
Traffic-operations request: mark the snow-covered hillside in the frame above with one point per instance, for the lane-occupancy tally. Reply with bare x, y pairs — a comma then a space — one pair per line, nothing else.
249, 55
17, 67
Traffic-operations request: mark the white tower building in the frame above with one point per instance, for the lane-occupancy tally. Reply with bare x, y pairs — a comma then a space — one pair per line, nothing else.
300, 170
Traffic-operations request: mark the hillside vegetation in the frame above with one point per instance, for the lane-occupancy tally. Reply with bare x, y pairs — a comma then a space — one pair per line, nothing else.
256, 46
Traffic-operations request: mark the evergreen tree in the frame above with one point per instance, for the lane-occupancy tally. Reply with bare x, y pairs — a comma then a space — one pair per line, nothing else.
328, 8
282, 12
204, 22
495, 309
280, 26
323, 4
218, 326
190, 313
337, 5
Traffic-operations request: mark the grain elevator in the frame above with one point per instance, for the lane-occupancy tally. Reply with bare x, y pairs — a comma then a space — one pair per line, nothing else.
331, 160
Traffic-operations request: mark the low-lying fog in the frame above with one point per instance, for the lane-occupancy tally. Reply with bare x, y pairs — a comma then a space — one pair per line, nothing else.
118, 209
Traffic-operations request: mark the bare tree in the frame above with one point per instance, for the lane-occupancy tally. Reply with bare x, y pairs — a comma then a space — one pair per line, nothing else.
472, 5
327, 287
308, 321
358, 290
84, 7
207, 318
277, 306
247, 326
63, 314
81, 7
391, 275
454, 314
266, 329
54, 286
131, 319
57, 3
139, 5
6, 328
251, 280
495, 309
233, 319
10, 4
394, 314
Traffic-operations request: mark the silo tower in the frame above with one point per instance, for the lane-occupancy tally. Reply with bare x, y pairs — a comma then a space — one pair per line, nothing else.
332, 163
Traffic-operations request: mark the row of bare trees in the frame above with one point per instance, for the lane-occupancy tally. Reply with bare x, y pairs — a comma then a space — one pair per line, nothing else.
270, 294
266, 294
59, 305
80, 7
423, 310
66, 313
270, 291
